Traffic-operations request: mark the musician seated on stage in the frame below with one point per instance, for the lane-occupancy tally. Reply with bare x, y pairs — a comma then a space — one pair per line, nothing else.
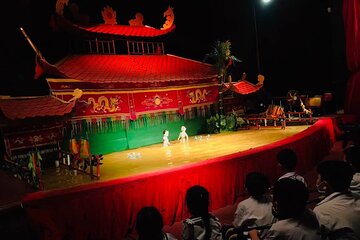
296, 104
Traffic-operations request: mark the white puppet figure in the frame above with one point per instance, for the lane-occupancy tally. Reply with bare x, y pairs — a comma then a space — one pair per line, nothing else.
183, 137
166, 141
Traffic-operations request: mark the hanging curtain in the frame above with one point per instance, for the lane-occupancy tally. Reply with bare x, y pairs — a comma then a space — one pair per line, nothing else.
351, 15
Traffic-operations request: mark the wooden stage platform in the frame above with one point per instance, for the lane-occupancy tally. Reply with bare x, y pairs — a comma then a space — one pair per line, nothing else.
156, 157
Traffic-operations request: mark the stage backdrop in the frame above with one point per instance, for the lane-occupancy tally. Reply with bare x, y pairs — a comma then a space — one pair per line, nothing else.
352, 35
118, 120
107, 135
107, 210
140, 134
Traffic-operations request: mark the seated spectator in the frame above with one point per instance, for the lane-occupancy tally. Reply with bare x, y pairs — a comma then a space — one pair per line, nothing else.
201, 225
255, 210
352, 156
340, 234
340, 208
287, 160
295, 221
149, 225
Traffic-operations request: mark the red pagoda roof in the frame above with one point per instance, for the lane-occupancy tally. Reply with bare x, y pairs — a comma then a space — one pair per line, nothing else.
242, 87
21, 108
113, 31
128, 31
134, 68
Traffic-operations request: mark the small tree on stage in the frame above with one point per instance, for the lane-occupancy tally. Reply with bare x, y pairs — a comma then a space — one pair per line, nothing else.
221, 57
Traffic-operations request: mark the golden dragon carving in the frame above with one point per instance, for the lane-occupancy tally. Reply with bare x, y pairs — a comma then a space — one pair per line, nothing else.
198, 96
170, 17
103, 104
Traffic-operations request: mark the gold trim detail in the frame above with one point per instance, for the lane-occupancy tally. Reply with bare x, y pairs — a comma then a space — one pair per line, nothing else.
135, 91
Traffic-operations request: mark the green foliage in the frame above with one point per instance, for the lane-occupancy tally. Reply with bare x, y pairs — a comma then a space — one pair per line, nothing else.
220, 54
230, 122
212, 124
219, 123
240, 122
222, 123
216, 123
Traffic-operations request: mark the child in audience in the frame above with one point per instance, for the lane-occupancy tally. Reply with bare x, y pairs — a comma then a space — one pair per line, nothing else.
201, 225
295, 221
352, 156
149, 225
340, 208
255, 210
287, 160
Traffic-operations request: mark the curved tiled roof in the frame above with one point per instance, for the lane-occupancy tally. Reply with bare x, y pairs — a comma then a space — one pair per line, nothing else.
128, 31
134, 68
21, 108
112, 31
242, 87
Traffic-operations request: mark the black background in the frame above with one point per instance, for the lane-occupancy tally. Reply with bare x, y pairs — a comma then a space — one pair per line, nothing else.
301, 44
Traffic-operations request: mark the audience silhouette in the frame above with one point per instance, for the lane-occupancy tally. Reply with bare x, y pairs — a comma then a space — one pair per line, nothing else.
287, 159
256, 209
149, 225
340, 208
295, 221
352, 156
201, 225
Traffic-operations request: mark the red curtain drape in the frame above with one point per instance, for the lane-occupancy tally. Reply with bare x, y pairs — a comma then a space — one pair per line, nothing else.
107, 210
351, 15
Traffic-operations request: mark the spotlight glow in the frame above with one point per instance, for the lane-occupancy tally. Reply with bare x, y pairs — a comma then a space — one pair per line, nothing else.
266, 1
